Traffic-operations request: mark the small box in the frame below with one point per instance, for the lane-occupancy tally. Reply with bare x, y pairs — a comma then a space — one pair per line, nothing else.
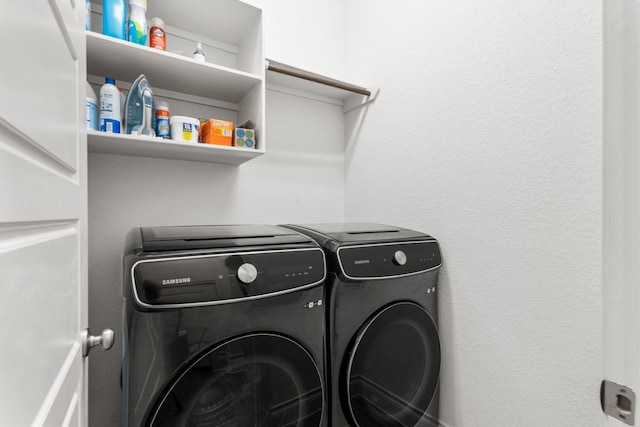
218, 132
244, 138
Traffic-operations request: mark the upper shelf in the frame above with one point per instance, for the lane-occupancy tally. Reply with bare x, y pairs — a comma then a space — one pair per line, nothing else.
122, 60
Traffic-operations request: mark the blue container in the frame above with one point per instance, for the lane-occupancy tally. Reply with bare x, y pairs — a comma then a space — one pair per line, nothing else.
114, 18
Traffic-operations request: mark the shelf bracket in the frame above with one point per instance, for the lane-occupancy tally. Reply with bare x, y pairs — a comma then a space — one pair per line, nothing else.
357, 101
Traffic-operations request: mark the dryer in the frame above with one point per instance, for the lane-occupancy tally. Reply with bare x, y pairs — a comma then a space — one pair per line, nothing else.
382, 333
223, 326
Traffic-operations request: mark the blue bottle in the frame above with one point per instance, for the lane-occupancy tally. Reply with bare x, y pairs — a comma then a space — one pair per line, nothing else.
114, 18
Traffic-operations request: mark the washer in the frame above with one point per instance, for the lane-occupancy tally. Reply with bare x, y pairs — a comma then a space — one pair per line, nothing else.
382, 334
223, 326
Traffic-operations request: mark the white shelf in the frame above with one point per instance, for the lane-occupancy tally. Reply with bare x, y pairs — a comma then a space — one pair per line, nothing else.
231, 33
122, 60
142, 146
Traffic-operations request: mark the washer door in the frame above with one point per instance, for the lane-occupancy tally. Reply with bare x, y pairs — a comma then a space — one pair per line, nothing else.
253, 380
391, 372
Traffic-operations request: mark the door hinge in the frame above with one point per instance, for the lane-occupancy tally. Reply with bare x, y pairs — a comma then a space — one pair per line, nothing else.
618, 401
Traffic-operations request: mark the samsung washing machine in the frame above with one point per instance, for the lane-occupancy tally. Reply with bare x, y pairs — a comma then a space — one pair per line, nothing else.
382, 333
223, 326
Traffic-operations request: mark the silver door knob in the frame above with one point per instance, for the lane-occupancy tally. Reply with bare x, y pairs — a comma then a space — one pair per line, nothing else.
105, 340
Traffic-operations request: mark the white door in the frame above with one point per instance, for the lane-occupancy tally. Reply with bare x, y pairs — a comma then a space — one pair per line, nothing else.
43, 277
621, 228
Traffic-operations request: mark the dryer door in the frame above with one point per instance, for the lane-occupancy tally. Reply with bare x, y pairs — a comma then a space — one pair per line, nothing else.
391, 373
253, 380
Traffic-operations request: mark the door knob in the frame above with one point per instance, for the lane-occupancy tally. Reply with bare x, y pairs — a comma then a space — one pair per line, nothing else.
104, 340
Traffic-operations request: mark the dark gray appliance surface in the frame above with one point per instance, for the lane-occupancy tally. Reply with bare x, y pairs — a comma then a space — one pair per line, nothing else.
338, 234
223, 325
176, 238
383, 345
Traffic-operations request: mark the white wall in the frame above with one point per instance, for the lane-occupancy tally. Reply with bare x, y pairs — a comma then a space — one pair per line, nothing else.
307, 34
487, 134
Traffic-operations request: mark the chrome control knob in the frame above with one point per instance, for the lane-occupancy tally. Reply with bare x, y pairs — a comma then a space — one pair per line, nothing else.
247, 273
399, 258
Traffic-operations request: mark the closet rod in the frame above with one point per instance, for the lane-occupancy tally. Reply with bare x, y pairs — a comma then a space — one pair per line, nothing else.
278, 67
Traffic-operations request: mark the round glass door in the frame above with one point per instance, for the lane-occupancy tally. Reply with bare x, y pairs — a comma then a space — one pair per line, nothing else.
263, 380
391, 372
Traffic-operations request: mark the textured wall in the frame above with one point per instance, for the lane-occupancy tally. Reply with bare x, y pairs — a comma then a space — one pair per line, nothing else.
487, 133
308, 34
299, 179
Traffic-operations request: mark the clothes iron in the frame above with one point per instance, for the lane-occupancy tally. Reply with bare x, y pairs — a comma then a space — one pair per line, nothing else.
139, 108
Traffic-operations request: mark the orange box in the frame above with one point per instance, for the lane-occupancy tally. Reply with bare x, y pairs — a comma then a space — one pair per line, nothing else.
218, 132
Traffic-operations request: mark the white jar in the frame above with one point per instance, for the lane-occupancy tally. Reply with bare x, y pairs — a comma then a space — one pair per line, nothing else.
184, 129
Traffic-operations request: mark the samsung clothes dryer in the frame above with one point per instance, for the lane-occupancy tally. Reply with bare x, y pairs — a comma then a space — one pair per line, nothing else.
223, 326
382, 334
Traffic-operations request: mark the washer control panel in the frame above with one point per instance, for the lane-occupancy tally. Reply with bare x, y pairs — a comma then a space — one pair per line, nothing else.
208, 278
380, 260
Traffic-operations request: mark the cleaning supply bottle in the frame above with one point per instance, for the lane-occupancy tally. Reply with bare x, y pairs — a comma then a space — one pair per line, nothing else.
92, 108
162, 120
110, 107
157, 35
123, 100
114, 18
137, 24
198, 55
87, 15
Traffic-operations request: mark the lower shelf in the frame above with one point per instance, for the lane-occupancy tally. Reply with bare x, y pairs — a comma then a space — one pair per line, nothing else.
142, 146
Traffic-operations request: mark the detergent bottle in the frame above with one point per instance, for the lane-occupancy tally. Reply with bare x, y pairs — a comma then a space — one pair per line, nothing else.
137, 24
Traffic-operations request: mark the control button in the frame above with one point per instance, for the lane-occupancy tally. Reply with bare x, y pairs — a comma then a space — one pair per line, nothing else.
399, 258
247, 273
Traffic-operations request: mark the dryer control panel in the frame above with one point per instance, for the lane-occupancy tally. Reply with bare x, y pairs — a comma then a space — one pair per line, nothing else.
224, 278
383, 260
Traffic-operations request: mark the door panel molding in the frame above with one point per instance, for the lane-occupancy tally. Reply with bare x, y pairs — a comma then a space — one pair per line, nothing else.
55, 411
17, 143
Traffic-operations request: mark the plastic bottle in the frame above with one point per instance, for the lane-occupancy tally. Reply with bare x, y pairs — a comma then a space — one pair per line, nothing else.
114, 18
110, 119
137, 24
87, 15
92, 108
198, 55
123, 101
162, 120
157, 35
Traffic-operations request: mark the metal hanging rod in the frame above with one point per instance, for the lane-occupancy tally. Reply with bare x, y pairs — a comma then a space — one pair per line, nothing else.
278, 67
